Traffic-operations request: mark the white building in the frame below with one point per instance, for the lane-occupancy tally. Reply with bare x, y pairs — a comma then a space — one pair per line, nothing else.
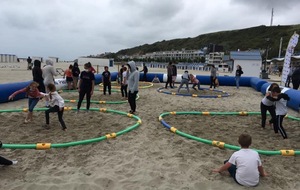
250, 61
100, 62
175, 54
8, 58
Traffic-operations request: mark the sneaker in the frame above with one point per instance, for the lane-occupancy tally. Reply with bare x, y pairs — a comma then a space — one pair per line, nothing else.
64, 128
194, 88
26, 121
14, 162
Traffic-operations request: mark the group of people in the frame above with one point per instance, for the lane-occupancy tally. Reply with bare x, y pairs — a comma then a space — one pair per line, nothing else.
244, 166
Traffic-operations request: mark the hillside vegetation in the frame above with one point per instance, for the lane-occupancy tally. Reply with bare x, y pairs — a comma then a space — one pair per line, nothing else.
243, 39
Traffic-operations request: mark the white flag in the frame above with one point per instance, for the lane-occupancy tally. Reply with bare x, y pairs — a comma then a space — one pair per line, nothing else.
287, 59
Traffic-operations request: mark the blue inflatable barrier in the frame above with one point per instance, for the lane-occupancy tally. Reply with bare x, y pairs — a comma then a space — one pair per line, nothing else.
256, 83
8, 88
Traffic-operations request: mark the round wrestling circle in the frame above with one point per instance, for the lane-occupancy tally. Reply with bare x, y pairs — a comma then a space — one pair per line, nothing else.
97, 101
48, 145
202, 93
142, 85
220, 144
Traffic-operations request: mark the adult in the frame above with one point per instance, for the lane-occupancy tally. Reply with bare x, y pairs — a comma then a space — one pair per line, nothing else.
133, 85
48, 75
174, 74
75, 74
86, 86
213, 76
37, 75
145, 70
238, 74
296, 78
289, 77
29, 63
169, 74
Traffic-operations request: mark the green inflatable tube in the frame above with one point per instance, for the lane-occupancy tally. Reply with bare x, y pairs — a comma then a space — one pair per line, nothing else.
44, 146
221, 144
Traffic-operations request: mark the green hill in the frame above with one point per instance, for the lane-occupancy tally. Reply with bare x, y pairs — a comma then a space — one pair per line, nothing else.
243, 39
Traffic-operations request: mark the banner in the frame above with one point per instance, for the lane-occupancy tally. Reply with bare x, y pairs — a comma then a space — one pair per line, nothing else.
287, 59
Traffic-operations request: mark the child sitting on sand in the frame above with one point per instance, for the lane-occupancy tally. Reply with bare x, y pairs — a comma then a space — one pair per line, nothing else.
56, 103
33, 95
244, 165
195, 82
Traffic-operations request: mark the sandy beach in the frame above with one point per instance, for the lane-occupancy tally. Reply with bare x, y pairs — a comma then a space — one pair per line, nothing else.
149, 157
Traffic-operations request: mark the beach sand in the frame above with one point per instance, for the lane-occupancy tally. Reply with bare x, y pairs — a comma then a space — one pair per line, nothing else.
149, 157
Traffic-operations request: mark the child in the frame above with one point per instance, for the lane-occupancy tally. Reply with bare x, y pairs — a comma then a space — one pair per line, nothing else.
268, 105
86, 86
6, 162
124, 82
57, 104
185, 78
33, 95
280, 109
106, 80
155, 79
69, 77
195, 82
244, 165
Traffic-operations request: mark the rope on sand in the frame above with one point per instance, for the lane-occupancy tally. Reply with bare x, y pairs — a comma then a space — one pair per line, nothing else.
45, 145
219, 143
221, 95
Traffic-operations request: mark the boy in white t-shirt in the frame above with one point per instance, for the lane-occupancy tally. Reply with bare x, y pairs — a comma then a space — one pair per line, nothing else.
244, 165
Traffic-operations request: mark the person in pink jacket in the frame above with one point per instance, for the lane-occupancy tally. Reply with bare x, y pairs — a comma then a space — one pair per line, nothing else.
33, 95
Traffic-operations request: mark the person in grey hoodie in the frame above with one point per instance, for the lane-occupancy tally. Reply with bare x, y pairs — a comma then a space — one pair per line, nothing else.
133, 85
48, 75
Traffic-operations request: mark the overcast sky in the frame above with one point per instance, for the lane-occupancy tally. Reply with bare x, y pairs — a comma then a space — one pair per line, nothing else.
71, 28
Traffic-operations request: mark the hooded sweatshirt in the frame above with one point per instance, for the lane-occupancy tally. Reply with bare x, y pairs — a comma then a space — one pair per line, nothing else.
49, 73
133, 77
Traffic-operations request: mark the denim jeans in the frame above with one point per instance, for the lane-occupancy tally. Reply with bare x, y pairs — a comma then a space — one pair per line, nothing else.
32, 103
237, 81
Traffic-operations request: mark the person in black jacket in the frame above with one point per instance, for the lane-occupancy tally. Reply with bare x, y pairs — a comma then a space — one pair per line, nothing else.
37, 74
238, 74
296, 78
75, 74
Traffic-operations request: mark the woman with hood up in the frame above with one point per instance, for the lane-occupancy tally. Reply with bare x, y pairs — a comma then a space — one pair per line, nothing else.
133, 85
48, 75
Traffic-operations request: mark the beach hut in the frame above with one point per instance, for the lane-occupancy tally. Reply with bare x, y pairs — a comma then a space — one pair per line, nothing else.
250, 61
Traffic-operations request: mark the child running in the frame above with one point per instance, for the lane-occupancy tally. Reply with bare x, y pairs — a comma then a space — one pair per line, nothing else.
33, 95
57, 104
280, 109
86, 86
244, 165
